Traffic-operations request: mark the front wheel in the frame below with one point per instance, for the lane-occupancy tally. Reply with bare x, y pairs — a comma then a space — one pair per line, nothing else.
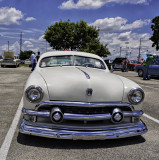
140, 73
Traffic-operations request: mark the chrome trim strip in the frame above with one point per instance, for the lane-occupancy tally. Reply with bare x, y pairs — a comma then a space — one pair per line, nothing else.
136, 129
82, 117
133, 114
84, 104
86, 74
36, 113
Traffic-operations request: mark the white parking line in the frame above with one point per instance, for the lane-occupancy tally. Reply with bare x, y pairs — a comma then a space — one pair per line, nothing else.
8, 139
149, 117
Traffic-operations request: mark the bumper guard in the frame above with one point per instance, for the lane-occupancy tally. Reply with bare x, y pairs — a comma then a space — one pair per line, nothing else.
108, 133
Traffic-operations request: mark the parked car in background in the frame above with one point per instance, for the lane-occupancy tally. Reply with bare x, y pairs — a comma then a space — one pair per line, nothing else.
109, 63
1, 59
117, 63
22, 61
132, 64
28, 61
9, 59
73, 95
153, 69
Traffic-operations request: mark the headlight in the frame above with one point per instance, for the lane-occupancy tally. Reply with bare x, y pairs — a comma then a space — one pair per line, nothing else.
136, 96
34, 94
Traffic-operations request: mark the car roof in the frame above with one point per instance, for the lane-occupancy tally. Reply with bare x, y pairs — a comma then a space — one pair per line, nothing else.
77, 53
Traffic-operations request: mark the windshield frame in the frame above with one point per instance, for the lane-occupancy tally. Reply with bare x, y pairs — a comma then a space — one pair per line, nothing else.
73, 62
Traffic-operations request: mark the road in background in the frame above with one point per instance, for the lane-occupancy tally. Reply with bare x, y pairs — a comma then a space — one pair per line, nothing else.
37, 148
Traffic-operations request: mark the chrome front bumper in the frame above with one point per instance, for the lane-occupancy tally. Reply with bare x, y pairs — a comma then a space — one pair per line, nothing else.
127, 130
82, 117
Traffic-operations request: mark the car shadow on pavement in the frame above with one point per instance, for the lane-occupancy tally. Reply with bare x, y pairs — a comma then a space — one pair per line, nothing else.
155, 77
76, 144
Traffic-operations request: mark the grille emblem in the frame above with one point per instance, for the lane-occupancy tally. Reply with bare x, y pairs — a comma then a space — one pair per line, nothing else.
89, 91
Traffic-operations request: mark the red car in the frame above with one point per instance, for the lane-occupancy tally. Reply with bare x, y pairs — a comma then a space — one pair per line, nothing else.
132, 63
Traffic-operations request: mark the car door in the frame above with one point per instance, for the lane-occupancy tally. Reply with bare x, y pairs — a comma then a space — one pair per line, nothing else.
154, 68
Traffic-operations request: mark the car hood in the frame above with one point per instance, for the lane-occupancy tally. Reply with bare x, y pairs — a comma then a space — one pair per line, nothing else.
71, 83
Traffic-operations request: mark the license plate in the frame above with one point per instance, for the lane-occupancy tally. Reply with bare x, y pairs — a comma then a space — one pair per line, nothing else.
89, 137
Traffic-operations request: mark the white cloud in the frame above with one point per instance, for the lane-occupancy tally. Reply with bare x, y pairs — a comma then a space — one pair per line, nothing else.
129, 43
136, 24
28, 44
30, 19
12, 48
118, 24
15, 47
10, 16
41, 38
110, 24
124, 36
93, 4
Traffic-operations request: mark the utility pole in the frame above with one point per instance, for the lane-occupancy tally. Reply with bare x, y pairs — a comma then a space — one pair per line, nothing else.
139, 51
120, 51
126, 48
46, 46
20, 42
8, 46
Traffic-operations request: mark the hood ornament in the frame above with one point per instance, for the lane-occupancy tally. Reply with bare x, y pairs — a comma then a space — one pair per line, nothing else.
89, 91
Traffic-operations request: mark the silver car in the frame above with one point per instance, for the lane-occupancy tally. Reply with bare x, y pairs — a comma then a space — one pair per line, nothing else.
73, 95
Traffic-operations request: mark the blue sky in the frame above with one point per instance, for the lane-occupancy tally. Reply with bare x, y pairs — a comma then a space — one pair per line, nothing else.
122, 22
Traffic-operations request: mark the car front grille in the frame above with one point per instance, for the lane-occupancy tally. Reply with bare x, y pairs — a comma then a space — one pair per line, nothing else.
84, 110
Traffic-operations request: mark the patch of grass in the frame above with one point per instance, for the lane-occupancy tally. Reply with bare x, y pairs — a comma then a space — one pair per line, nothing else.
24, 65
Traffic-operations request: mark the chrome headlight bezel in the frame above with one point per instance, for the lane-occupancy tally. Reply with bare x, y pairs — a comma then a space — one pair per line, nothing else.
31, 89
132, 93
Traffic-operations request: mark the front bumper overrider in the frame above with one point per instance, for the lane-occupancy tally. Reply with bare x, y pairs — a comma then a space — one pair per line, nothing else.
127, 130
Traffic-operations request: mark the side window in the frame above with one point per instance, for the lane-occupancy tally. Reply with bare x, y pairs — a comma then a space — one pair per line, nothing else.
155, 62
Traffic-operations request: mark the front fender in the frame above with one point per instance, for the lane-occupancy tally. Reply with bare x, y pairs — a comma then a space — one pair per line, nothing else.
129, 85
35, 79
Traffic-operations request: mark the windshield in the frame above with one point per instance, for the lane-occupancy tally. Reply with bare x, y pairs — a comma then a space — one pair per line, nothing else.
89, 62
56, 61
133, 61
155, 61
70, 61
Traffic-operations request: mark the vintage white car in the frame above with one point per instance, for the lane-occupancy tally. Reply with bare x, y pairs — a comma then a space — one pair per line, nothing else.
73, 95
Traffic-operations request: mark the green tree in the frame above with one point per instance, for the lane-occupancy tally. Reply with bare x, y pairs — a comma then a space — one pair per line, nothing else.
75, 36
155, 36
97, 48
25, 55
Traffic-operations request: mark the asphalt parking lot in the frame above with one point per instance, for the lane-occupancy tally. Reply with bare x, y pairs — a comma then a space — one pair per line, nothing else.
12, 81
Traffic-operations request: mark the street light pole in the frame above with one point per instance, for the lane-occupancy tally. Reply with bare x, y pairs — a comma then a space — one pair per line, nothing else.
139, 51
8, 46
46, 46
126, 48
20, 42
120, 51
